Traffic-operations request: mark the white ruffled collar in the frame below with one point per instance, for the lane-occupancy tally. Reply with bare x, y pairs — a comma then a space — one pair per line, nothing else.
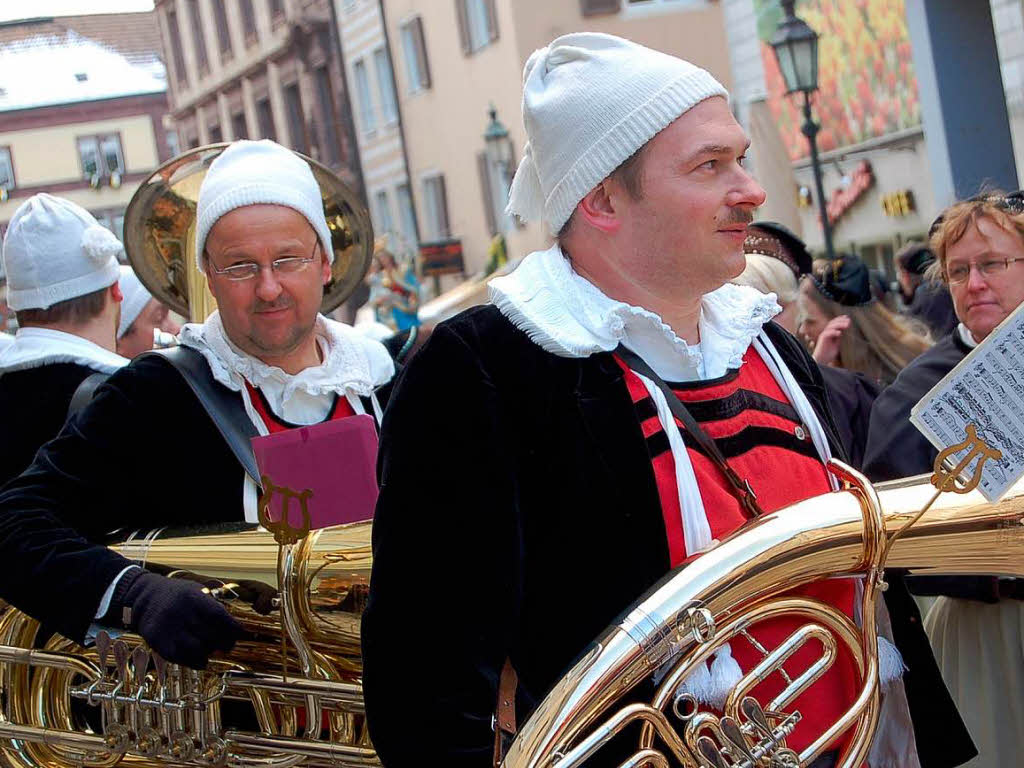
36, 347
352, 362
569, 316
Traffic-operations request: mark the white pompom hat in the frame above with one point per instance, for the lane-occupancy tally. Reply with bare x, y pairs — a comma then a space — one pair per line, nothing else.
259, 173
136, 297
590, 101
55, 250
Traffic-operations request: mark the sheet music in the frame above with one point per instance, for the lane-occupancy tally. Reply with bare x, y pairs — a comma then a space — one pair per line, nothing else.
987, 389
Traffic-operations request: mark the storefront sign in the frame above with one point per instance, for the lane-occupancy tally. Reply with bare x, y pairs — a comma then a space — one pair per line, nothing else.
861, 180
899, 203
442, 257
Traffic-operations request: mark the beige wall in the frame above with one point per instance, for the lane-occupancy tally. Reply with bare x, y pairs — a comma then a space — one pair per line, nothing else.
50, 155
693, 30
444, 125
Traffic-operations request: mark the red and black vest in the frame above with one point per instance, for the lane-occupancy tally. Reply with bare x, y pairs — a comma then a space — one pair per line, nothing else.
762, 438
340, 409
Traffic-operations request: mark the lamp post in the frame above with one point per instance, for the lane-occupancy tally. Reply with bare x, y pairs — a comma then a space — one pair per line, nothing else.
796, 49
498, 148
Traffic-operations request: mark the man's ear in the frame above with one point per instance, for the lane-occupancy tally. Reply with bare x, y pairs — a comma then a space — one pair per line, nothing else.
325, 267
116, 294
598, 208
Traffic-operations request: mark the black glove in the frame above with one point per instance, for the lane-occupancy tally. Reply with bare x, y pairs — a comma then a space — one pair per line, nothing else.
175, 617
259, 595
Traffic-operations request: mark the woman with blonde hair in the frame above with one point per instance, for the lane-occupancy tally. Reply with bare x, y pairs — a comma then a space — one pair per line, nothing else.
847, 327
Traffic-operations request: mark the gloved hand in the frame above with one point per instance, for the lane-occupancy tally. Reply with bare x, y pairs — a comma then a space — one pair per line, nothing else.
175, 617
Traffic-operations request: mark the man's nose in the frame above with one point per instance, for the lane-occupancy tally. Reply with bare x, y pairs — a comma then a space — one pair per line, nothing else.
748, 191
975, 280
268, 286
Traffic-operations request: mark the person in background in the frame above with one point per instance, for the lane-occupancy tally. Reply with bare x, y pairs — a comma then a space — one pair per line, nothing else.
927, 300
846, 326
976, 626
141, 316
62, 282
776, 261
394, 293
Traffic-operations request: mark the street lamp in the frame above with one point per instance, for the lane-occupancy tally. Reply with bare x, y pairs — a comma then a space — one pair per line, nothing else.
796, 49
498, 148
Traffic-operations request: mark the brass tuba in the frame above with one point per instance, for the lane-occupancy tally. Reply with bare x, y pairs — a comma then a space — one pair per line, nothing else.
697, 609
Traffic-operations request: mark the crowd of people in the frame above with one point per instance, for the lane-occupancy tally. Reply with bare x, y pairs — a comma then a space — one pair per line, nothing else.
666, 371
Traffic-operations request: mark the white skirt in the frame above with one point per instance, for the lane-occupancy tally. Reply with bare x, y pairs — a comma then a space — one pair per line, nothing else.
980, 650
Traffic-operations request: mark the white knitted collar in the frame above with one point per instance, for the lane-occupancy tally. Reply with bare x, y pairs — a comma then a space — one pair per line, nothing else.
35, 347
569, 316
351, 363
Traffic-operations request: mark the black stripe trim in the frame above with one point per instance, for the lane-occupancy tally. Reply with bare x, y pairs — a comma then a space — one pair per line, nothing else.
726, 407
745, 440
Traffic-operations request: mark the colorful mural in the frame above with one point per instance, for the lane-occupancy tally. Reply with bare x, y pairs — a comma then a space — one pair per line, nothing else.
867, 86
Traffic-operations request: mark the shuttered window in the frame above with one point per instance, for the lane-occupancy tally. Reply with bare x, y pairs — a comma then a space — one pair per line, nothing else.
435, 197
414, 49
594, 7
478, 24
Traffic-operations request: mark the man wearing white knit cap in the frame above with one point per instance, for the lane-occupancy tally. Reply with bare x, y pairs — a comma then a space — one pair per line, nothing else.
264, 362
62, 282
141, 317
578, 490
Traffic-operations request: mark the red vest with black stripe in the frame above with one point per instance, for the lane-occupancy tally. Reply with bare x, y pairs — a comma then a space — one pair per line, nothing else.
340, 409
762, 438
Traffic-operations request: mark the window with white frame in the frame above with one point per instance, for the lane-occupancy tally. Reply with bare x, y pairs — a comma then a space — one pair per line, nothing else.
405, 212
383, 204
367, 114
435, 202
100, 155
6, 169
414, 51
388, 103
656, 6
478, 24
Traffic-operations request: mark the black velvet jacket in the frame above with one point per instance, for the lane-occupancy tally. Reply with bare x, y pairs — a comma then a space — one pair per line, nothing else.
143, 454
518, 517
33, 406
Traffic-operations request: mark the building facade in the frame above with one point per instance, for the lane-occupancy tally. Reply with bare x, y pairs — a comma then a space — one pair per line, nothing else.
83, 113
453, 61
893, 82
378, 127
89, 123
259, 69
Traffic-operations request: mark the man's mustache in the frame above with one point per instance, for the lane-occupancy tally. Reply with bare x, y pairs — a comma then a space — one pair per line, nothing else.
271, 306
739, 216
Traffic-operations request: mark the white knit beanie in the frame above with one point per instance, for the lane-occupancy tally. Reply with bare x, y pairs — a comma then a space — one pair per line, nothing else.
136, 297
590, 101
54, 250
259, 173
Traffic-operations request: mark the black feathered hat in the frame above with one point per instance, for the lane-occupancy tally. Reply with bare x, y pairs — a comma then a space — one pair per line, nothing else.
845, 280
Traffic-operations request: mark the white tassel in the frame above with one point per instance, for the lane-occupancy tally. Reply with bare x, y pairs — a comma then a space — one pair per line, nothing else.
890, 662
725, 673
100, 244
526, 196
697, 684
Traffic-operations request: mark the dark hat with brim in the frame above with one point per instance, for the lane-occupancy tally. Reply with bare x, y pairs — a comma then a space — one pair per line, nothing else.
845, 280
915, 257
787, 248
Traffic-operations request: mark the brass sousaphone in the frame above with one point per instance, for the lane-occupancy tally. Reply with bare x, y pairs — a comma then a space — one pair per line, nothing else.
159, 233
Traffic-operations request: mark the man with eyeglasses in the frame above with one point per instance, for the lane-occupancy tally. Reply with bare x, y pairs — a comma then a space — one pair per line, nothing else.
272, 362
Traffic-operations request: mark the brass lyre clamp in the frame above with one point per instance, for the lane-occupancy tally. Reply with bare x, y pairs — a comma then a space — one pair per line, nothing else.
950, 479
284, 532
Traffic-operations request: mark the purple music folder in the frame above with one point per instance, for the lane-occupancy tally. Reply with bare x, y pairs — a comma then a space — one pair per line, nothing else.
333, 464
